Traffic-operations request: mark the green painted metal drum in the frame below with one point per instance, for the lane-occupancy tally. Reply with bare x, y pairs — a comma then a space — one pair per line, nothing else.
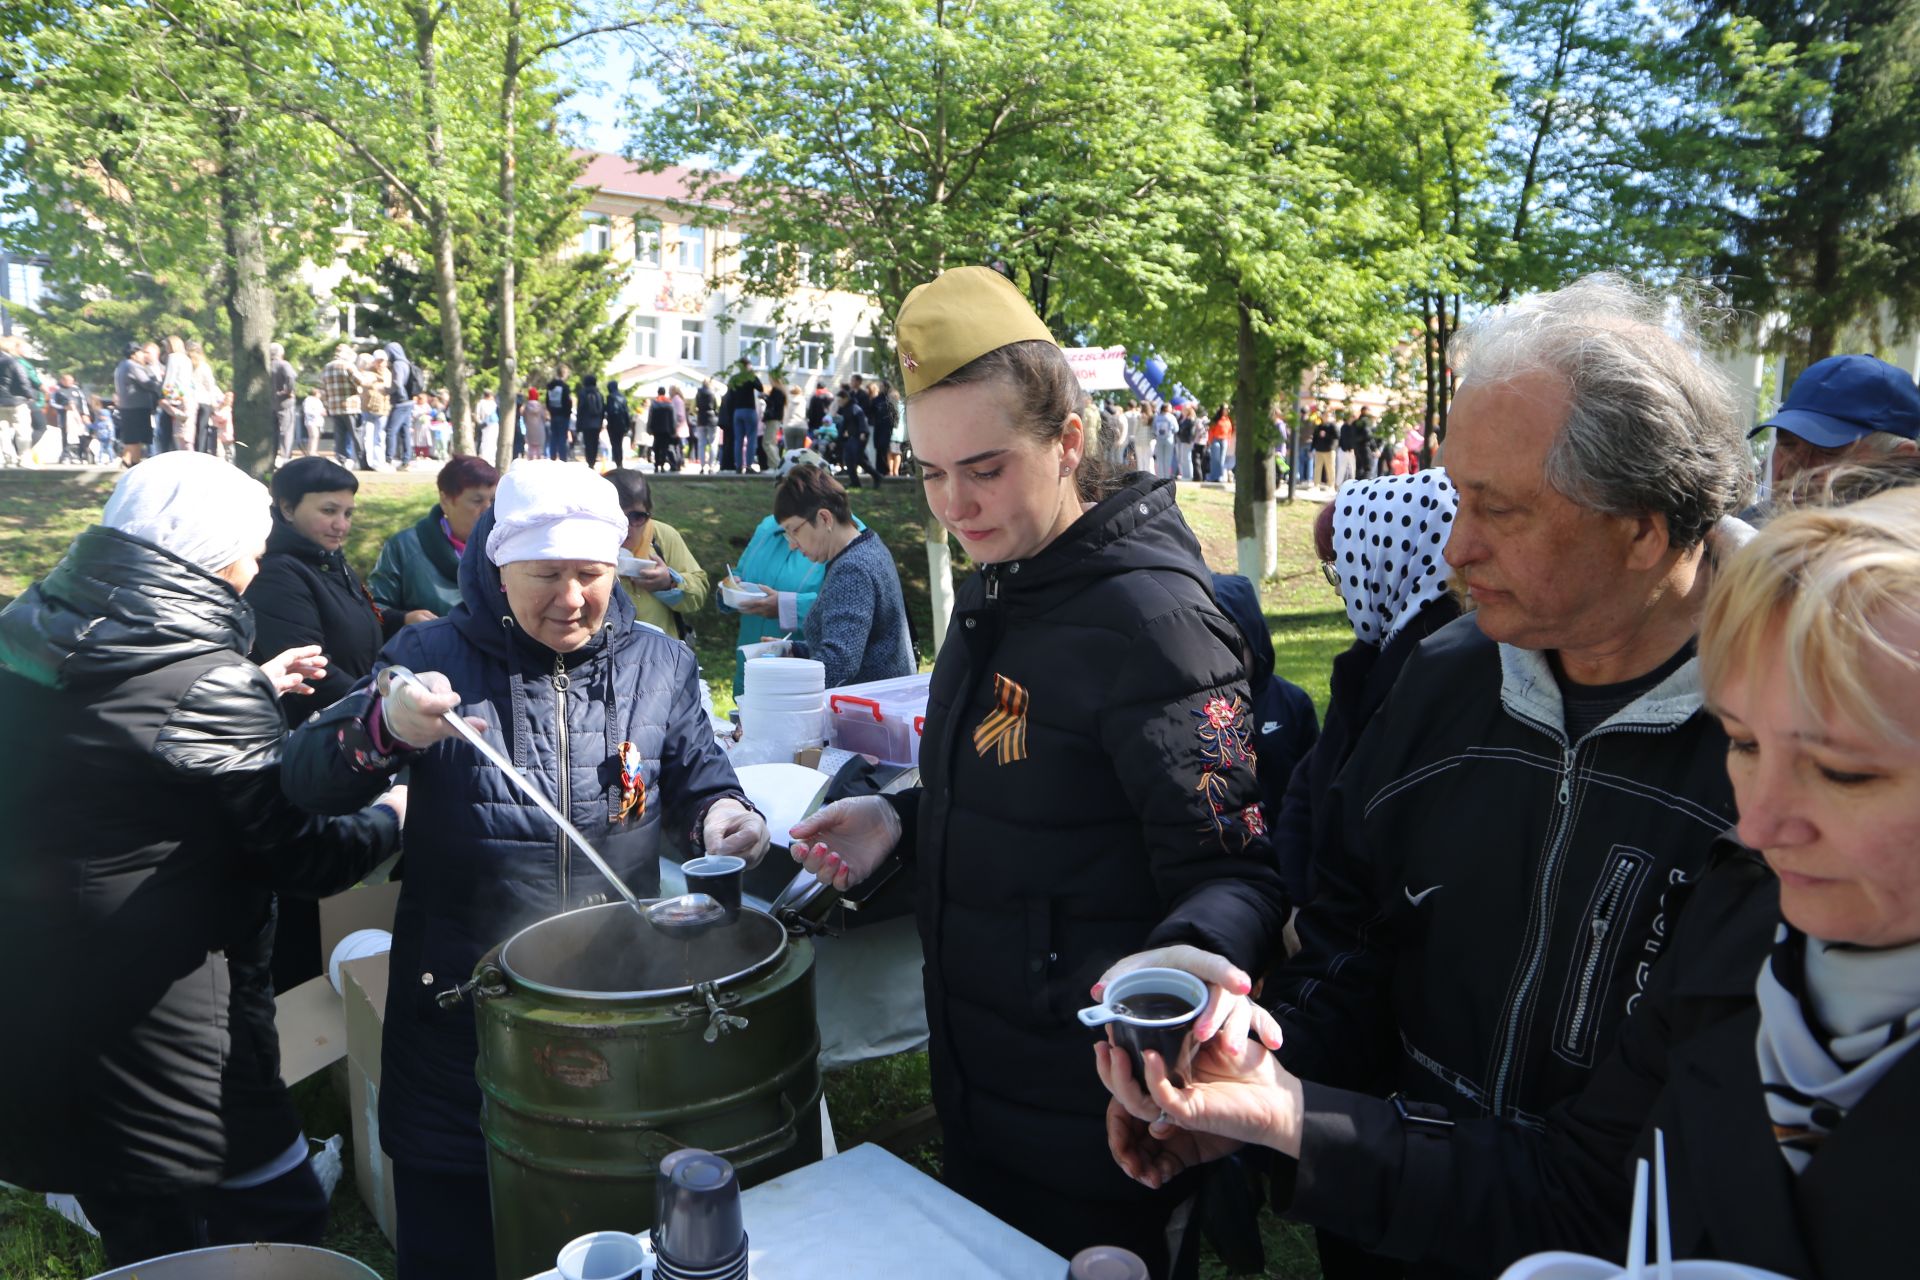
606, 1043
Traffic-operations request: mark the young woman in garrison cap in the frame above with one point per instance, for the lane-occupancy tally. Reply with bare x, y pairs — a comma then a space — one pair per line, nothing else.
1086, 766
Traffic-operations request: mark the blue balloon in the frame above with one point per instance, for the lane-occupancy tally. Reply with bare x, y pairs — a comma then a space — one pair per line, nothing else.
1156, 370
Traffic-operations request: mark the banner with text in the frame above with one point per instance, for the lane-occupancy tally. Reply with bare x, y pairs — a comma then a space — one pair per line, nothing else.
1099, 368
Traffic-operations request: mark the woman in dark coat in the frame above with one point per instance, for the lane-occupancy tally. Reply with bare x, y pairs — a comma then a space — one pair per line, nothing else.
604, 714
144, 1070
1391, 613
306, 595
1773, 1045
1086, 766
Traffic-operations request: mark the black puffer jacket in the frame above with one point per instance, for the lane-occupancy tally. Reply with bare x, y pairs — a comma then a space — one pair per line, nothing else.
140, 779
1492, 896
1480, 1195
305, 595
482, 860
1046, 854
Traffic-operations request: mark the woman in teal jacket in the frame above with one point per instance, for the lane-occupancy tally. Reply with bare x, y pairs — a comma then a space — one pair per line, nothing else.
791, 583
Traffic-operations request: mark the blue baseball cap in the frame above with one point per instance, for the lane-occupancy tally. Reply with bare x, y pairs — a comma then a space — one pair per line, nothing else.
1842, 399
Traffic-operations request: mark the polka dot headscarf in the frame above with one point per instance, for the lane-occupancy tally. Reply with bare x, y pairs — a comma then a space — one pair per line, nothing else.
1388, 534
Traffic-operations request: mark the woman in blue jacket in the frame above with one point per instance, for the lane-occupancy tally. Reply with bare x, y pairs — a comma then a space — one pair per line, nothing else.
602, 715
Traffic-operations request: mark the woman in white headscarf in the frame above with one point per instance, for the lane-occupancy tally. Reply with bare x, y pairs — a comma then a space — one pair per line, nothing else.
147, 833
602, 714
1395, 598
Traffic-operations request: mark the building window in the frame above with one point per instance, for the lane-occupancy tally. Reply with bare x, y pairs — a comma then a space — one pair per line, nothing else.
815, 351
597, 236
646, 241
756, 344
646, 337
866, 357
693, 342
816, 269
692, 249
23, 282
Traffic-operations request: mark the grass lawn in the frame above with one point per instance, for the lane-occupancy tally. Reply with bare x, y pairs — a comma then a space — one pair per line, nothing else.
41, 512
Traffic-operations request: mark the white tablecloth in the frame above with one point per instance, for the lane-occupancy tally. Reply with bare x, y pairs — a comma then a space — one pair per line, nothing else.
869, 1213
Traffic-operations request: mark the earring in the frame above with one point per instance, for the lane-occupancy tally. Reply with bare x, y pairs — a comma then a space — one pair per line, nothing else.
1066, 470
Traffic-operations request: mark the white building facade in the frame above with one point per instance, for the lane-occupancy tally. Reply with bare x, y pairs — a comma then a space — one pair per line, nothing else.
690, 319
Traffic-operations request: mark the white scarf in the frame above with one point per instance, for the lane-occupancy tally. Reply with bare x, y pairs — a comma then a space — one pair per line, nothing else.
1834, 1020
1388, 534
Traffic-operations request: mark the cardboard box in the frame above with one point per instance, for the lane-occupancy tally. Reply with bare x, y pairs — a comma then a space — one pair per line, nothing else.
365, 984
319, 1027
311, 1018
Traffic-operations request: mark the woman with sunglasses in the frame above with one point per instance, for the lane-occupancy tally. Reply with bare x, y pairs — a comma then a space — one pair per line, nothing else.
658, 572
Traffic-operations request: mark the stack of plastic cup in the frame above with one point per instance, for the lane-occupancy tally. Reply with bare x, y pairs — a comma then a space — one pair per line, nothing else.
698, 1232
783, 705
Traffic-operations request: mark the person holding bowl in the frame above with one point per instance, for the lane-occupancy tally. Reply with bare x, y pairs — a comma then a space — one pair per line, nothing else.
774, 585
1086, 766
602, 715
857, 627
1773, 1044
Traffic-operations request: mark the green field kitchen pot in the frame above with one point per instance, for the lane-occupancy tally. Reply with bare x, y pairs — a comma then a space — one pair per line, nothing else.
606, 1043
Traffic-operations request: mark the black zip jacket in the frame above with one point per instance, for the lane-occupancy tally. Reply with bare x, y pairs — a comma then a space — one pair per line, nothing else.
1481, 1194
1048, 853
304, 595
140, 779
1492, 897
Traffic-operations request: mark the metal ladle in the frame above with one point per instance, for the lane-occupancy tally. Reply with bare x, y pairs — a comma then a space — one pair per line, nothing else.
390, 676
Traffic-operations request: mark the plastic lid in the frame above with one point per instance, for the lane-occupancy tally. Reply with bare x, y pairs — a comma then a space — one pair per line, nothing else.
1107, 1262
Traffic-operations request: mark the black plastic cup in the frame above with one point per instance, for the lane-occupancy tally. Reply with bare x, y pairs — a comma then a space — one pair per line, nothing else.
1151, 1009
717, 876
699, 1230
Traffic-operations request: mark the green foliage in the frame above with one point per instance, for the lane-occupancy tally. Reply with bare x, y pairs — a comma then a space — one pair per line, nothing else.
1791, 161
568, 300
887, 140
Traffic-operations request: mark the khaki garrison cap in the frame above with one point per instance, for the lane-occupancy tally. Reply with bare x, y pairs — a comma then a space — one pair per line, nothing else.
956, 318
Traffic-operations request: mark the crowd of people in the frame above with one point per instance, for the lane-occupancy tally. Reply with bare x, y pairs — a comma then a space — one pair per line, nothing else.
742, 425
1608, 829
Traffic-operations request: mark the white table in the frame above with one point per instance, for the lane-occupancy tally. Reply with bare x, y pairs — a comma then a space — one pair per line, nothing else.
869, 1213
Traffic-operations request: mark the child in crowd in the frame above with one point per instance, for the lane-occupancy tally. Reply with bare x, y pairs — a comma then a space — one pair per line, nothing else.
100, 427
313, 416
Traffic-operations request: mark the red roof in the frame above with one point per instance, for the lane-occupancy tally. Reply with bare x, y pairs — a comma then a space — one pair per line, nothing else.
616, 176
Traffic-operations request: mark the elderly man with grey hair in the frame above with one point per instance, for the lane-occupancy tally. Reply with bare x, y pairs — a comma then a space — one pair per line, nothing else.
286, 408
1505, 846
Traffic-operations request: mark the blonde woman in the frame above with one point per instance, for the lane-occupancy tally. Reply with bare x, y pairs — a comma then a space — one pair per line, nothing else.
207, 397
1771, 1045
177, 394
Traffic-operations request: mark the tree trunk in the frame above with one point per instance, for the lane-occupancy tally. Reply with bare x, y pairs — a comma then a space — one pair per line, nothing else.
509, 393
446, 289
249, 305
1255, 539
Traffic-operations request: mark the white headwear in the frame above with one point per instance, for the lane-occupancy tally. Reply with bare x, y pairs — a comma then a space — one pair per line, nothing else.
555, 511
1388, 534
208, 512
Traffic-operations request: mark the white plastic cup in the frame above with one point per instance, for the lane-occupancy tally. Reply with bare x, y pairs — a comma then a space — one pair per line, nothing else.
602, 1255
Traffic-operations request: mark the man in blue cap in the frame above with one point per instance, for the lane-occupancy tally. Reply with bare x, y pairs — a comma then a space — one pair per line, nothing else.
1854, 409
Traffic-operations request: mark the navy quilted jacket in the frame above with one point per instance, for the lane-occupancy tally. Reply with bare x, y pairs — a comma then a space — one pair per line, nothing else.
481, 861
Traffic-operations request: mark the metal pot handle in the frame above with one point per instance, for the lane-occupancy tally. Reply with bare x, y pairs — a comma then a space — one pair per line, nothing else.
489, 982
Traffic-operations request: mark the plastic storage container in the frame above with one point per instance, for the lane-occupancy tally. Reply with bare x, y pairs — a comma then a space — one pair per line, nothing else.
878, 719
